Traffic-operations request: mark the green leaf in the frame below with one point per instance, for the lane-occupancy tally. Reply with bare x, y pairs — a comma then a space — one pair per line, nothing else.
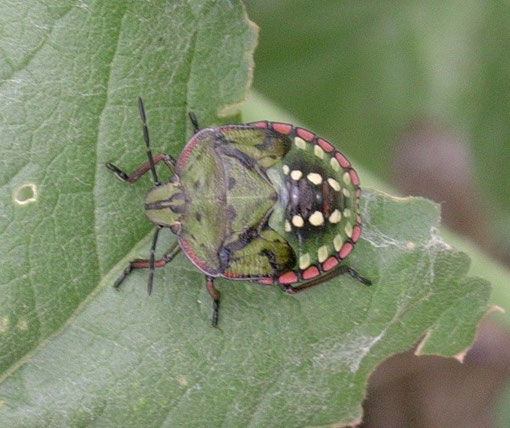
74, 351
70, 76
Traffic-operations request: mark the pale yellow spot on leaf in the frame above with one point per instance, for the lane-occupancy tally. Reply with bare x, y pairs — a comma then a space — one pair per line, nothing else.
182, 381
346, 192
334, 184
4, 324
285, 169
338, 242
347, 212
296, 174
318, 152
314, 178
300, 143
22, 324
322, 253
335, 217
334, 164
304, 261
298, 221
347, 178
316, 219
288, 227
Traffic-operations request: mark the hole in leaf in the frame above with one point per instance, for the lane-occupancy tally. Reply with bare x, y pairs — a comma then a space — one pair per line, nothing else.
25, 194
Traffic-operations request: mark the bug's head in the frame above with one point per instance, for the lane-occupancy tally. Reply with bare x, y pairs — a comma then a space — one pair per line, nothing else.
166, 204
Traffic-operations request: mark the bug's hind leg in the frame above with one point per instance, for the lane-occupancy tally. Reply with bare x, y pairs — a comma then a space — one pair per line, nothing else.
355, 275
340, 270
146, 264
142, 169
215, 294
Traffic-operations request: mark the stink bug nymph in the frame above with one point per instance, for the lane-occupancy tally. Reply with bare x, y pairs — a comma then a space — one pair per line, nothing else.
265, 202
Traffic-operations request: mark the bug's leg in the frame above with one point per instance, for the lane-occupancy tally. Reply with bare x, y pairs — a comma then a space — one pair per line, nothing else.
331, 274
145, 264
215, 294
354, 274
152, 260
135, 175
170, 162
194, 122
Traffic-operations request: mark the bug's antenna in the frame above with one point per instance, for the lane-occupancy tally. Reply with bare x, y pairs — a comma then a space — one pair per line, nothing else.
147, 141
194, 122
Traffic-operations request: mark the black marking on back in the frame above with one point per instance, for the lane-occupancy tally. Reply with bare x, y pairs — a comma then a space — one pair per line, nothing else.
198, 184
306, 197
271, 258
231, 213
243, 158
168, 204
224, 255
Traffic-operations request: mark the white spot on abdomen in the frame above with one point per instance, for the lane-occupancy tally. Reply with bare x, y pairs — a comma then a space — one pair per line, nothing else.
335, 216
317, 150
322, 253
298, 221
338, 242
334, 164
314, 178
296, 174
334, 184
300, 143
316, 219
304, 261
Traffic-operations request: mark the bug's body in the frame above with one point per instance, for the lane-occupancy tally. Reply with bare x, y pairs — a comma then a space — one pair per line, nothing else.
264, 202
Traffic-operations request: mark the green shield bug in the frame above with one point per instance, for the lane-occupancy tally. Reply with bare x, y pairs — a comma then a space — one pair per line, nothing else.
265, 202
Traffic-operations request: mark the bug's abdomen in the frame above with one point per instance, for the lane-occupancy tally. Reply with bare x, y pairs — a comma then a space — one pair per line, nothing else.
312, 200
318, 205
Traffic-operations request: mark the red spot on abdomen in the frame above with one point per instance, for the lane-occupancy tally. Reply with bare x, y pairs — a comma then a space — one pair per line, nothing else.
345, 250
356, 232
342, 160
324, 145
329, 263
288, 278
305, 134
266, 281
282, 128
258, 124
231, 275
311, 272
354, 177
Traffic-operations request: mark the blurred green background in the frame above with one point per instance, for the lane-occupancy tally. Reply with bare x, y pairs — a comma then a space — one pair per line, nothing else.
363, 73
419, 94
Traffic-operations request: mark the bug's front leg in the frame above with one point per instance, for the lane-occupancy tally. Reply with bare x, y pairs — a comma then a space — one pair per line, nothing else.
146, 264
145, 167
215, 294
